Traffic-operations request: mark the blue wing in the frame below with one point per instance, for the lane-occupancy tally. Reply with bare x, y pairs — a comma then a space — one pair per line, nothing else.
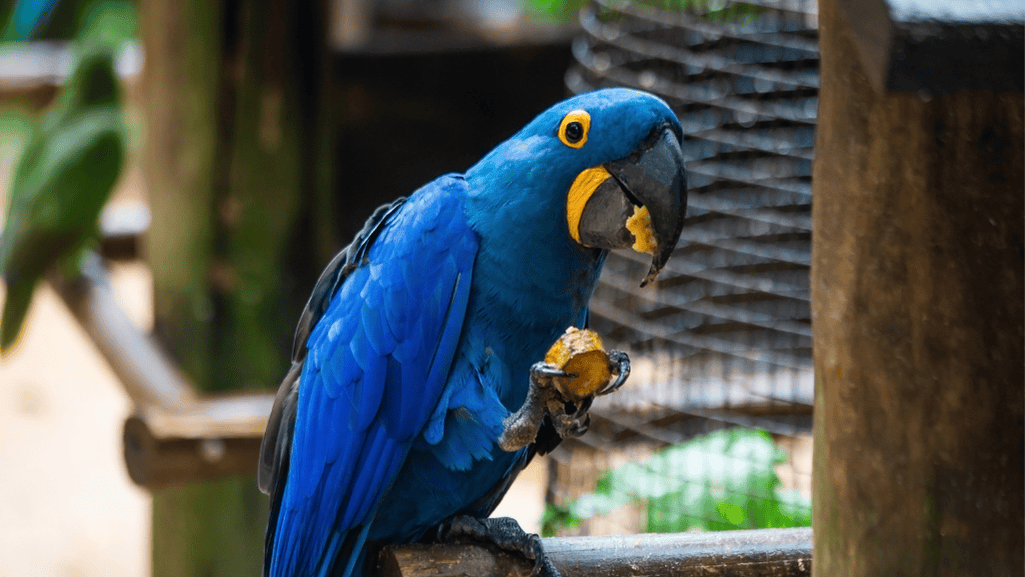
376, 362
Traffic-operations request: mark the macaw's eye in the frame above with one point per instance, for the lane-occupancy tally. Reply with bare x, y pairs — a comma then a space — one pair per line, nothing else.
574, 132
574, 127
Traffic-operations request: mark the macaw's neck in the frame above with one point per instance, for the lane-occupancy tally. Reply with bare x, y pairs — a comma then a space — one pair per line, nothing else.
548, 288
529, 272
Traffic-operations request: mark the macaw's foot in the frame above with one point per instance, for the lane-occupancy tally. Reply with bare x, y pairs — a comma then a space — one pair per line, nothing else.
505, 533
551, 394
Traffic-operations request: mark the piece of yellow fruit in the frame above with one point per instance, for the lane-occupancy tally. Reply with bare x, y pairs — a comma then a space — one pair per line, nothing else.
639, 225
580, 351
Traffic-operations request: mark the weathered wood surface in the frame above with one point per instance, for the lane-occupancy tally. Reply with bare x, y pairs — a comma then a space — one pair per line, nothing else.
761, 553
917, 303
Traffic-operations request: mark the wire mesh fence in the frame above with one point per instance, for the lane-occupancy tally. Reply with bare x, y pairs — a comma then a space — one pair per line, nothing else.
712, 431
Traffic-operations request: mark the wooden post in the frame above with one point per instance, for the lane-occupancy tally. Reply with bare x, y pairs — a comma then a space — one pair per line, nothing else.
235, 128
917, 303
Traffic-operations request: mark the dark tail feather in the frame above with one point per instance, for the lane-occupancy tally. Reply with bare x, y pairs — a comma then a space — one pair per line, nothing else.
351, 557
16, 304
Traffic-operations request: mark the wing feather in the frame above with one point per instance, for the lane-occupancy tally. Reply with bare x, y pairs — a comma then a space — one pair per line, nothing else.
381, 331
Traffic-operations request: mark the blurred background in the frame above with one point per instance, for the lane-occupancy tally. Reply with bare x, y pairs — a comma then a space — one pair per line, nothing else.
260, 137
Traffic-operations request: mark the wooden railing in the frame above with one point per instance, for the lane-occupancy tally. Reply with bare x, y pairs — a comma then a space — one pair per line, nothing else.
175, 435
755, 553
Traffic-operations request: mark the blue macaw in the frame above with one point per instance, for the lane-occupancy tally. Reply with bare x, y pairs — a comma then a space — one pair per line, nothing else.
419, 337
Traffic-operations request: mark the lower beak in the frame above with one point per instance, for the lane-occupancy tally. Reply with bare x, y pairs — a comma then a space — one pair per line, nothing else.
638, 202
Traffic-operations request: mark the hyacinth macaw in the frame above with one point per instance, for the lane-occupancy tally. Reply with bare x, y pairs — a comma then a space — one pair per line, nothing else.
61, 183
420, 336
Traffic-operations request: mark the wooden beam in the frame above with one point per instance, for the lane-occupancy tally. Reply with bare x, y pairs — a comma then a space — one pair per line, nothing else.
175, 435
145, 371
216, 437
761, 553
917, 305
938, 46
156, 461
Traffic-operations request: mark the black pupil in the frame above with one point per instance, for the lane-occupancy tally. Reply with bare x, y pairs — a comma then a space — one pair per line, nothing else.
574, 132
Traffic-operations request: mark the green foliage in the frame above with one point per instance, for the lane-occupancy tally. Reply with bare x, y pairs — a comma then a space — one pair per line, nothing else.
719, 11
555, 10
16, 128
112, 21
720, 481
555, 518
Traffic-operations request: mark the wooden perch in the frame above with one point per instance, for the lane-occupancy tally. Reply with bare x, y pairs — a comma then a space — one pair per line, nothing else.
761, 553
123, 226
175, 436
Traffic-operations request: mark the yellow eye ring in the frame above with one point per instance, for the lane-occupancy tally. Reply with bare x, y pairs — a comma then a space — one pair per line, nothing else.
574, 128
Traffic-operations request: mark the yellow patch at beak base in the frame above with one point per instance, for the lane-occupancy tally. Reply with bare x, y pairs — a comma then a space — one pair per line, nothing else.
579, 193
639, 224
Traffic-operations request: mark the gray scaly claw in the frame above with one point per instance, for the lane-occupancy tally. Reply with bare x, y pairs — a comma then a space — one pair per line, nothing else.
619, 365
503, 532
545, 373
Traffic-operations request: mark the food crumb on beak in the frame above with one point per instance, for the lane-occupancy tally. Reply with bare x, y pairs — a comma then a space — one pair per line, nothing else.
639, 224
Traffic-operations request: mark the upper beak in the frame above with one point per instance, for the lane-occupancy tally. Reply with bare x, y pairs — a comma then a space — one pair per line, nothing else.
639, 201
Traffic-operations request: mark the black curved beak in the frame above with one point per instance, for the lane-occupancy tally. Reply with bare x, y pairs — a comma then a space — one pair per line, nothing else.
642, 204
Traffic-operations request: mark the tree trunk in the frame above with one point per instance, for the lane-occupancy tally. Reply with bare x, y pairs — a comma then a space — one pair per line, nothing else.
236, 127
917, 303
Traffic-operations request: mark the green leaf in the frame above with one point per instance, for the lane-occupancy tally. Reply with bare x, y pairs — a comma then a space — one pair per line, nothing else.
731, 513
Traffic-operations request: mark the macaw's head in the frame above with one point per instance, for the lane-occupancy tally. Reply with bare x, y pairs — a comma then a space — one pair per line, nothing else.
601, 170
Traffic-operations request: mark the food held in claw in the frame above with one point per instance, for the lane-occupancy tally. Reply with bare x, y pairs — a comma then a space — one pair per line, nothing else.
580, 352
